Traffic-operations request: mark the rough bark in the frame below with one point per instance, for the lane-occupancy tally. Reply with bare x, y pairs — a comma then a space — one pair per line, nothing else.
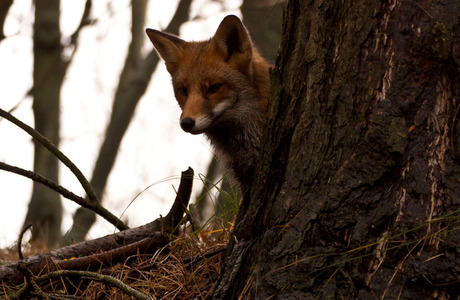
132, 85
356, 195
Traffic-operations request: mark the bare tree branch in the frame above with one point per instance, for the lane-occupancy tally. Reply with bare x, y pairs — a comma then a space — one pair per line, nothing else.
56, 152
94, 206
85, 20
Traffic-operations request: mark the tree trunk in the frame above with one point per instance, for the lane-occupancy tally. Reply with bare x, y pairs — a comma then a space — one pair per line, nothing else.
45, 208
357, 192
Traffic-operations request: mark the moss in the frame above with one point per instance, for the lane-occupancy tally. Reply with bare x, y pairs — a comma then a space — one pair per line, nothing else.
391, 130
437, 41
397, 135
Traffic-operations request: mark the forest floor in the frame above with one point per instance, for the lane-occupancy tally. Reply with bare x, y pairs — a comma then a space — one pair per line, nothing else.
186, 268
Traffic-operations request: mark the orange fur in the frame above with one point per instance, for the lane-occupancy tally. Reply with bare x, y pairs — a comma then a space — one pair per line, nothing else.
222, 86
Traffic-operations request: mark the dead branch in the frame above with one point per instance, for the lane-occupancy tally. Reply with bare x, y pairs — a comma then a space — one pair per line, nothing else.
111, 248
21, 235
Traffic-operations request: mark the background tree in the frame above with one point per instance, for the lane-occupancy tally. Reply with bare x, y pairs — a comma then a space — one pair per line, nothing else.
50, 66
356, 194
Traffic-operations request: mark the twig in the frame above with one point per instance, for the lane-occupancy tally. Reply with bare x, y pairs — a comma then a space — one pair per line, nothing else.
107, 279
94, 206
188, 262
30, 281
97, 277
179, 207
21, 235
56, 152
84, 21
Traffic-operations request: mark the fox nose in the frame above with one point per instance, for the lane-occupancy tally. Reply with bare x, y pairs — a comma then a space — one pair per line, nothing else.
187, 124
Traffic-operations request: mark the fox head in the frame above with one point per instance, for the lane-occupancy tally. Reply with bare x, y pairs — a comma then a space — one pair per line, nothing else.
214, 80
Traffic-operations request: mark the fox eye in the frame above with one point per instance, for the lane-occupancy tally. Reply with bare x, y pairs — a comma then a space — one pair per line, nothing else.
182, 91
214, 88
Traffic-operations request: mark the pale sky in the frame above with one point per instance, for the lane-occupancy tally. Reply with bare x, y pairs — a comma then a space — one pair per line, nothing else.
154, 150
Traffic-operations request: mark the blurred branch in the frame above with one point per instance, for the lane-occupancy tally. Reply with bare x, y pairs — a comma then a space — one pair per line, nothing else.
4, 8
85, 20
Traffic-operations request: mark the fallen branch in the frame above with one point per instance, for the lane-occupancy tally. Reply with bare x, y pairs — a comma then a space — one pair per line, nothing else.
111, 248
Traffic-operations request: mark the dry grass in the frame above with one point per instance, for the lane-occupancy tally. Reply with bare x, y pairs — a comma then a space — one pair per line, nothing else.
187, 268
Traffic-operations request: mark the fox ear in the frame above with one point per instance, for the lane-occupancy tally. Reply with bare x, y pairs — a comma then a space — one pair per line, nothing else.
168, 46
233, 41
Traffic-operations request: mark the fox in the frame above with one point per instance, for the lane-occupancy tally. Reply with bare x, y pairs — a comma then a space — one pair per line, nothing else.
222, 86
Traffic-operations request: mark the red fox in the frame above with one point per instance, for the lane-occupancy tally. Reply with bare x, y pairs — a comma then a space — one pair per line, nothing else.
222, 86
